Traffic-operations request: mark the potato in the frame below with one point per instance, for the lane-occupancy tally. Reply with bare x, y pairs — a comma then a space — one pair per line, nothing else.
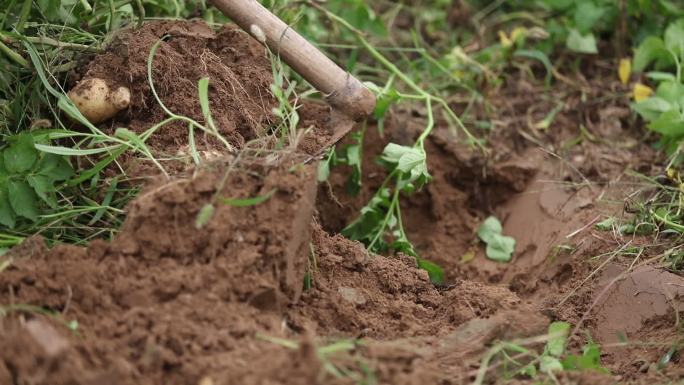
97, 102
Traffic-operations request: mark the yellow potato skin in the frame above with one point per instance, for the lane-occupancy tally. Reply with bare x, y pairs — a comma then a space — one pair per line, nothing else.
97, 102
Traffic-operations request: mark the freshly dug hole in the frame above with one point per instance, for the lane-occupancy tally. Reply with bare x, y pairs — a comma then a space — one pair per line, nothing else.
168, 303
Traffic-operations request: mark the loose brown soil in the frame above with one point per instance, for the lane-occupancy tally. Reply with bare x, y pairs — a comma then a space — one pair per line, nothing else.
177, 299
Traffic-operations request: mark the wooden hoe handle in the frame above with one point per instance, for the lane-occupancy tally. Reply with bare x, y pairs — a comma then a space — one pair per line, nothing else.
343, 91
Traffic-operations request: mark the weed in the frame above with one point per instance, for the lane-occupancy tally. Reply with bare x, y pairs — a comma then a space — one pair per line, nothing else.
30, 309
338, 359
519, 358
499, 247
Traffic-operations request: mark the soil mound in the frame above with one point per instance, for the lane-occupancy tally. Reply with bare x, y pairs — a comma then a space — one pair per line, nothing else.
238, 69
168, 302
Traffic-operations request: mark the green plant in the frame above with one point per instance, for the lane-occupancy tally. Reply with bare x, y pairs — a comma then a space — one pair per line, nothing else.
499, 247
337, 358
664, 111
579, 25
380, 224
518, 357
27, 178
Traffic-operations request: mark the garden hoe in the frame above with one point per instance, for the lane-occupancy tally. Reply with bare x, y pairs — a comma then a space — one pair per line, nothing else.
349, 100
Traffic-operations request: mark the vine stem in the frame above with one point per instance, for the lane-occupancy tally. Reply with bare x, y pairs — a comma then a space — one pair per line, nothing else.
390, 211
396, 71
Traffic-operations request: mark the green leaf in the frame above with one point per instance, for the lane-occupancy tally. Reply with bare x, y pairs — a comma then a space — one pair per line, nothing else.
667, 357
68, 151
204, 215
558, 5
651, 49
353, 155
549, 364
669, 123
606, 224
393, 152
674, 37
587, 14
42, 185
529, 370
672, 91
661, 76
651, 108
21, 155
248, 201
435, 272
558, 336
324, 166
22, 199
589, 360
323, 172
581, 43
7, 216
501, 248
489, 228
385, 100
671, 8
541, 57
55, 167
204, 103
409, 160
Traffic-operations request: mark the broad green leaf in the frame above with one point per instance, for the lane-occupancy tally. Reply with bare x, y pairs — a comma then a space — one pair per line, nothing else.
651, 108
587, 14
353, 155
393, 152
582, 43
7, 216
23, 200
549, 364
558, 336
384, 102
55, 167
20, 156
323, 172
651, 49
674, 37
661, 76
435, 272
410, 160
589, 360
42, 185
606, 224
672, 91
237, 202
529, 370
489, 228
500, 248
669, 123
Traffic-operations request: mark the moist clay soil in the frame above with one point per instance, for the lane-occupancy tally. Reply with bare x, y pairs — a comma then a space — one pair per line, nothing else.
199, 290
